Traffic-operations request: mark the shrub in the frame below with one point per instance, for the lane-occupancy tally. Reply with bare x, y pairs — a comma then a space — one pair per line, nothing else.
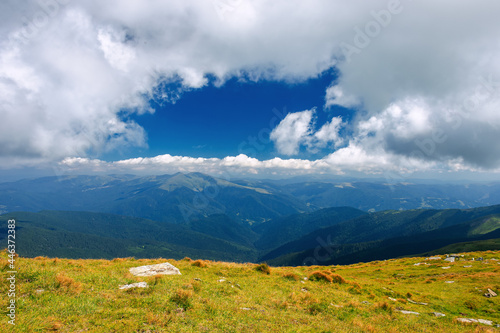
187, 259
199, 263
264, 268
339, 279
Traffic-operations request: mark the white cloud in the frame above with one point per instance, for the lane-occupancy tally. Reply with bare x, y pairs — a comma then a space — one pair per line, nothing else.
293, 131
336, 96
67, 68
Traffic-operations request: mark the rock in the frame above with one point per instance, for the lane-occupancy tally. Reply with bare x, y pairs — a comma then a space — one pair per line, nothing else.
150, 270
409, 312
485, 322
393, 299
450, 259
438, 314
246, 309
449, 281
134, 285
304, 290
447, 267
197, 279
466, 320
336, 305
221, 280
468, 266
413, 302
492, 293
39, 291
433, 258
366, 302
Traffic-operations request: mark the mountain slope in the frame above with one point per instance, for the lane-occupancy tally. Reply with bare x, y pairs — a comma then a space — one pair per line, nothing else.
282, 230
79, 234
484, 228
382, 225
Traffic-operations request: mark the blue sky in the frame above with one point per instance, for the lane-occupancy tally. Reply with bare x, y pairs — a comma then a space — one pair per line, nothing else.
395, 89
231, 119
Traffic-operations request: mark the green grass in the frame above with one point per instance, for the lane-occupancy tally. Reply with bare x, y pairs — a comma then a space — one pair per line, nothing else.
83, 296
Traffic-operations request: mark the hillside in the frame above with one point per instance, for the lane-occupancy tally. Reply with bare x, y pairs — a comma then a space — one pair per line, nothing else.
98, 235
475, 233
400, 295
382, 226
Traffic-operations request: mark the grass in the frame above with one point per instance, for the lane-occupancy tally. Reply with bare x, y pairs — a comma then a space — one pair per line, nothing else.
65, 295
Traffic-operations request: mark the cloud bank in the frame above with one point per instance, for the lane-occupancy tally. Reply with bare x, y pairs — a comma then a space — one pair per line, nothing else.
422, 78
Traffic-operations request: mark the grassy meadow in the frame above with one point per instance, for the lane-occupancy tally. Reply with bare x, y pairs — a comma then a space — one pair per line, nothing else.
66, 295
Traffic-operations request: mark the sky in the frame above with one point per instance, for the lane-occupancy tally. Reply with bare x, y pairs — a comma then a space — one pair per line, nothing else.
251, 88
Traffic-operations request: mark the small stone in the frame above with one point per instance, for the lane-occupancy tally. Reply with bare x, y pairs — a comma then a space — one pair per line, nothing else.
134, 285
450, 259
246, 309
467, 320
492, 293
413, 302
447, 267
221, 280
393, 299
433, 258
467, 266
438, 314
304, 290
409, 312
197, 279
39, 291
449, 281
366, 302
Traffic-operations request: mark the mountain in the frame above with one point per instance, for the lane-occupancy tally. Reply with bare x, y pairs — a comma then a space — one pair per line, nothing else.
172, 198
98, 235
379, 196
180, 198
281, 230
380, 226
476, 235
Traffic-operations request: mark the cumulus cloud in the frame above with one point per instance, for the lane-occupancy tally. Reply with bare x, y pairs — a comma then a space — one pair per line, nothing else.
297, 129
423, 76
293, 131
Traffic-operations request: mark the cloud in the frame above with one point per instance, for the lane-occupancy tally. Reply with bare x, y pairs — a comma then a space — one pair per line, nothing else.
424, 76
293, 131
336, 96
297, 129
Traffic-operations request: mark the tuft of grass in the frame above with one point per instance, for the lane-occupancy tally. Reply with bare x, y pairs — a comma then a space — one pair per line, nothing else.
291, 276
320, 276
182, 298
264, 268
199, 263
65, 282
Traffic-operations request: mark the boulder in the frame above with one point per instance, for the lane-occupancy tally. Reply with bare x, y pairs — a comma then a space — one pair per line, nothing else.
492, 293
438, 314
150, 270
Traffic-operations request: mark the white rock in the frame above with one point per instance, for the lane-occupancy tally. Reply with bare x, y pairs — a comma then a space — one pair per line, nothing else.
485, 322
438, 314
449, 281
409, 312
450, 259
150, 270
393, 299
467, 320
246, 309
433, 258
467, 266
447, 267
134, 285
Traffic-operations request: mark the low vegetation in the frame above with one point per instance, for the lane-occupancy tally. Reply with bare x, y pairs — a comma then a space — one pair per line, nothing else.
67, 295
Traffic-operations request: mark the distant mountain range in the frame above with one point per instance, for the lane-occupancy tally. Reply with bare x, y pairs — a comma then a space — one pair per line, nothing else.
282, 223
